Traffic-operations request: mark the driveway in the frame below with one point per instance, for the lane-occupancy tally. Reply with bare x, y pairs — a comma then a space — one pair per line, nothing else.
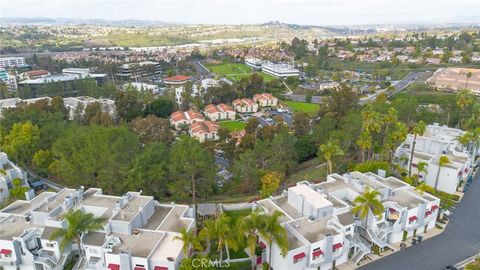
460, 240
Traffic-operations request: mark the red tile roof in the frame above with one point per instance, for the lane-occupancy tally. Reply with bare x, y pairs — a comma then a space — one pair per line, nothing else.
177, 116
177, 78
204, 127
37, 72
194, 115
243, 102
263, 96
225, 108
211, 109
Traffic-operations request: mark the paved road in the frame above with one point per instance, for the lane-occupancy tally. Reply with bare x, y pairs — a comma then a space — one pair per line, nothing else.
460, 240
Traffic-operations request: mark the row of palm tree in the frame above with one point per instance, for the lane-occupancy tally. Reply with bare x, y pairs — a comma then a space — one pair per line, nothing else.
225, 233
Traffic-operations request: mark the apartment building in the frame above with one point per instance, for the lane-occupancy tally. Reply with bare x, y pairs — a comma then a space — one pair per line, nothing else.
279, 70
455, 79
135, 71
265, 100
219, 112
9, 80
34, 74
8, 172
437, 141
245, 105
203, 131
322, 230
8, 62
187, 118
177, 84
77, 105
138, 232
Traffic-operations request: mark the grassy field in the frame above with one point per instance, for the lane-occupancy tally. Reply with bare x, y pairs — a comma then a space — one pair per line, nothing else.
232, 125
236, 71
312, 170
296, 106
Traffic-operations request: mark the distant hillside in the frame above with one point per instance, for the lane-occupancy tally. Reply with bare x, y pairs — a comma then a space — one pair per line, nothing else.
78, 21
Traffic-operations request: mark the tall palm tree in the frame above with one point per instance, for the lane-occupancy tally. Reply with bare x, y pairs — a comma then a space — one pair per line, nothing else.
189, 239
464, 139
329, 150
464, 100
247, 229
78, 223
422, 167
366, 202
418, 130
221, 231
469, 75
442, 161
390, 119
371, 123
364, 142
272, 231
397, 135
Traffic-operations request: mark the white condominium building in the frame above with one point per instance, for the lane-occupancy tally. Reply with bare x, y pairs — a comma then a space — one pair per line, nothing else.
322, 230
437, 141
9, 172
138, 232
7, 62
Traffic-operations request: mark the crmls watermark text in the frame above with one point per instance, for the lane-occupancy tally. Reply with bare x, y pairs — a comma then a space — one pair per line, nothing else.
202, 262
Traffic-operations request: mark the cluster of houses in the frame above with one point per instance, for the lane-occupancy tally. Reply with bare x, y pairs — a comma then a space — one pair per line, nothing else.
204, 126
322, 230
74, 105
455, 79
438, 141
141, 233
138, 232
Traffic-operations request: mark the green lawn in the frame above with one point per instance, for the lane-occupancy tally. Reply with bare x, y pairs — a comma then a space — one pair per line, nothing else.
297, 106
236, 71
311, 170
232, 125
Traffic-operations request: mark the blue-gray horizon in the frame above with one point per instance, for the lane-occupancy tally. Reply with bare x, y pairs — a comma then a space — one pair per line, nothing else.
303, 12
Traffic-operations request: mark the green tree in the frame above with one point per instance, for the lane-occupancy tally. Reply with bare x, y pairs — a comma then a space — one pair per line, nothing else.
270, 183
442, 162
272, 231
189, 239
247, 229
22, 142
152, 129
329, 150
18, 190
149, 170
301, 123
368, 202
78, 223
418, 130
192, 162
220, 231
42, 160
95, 156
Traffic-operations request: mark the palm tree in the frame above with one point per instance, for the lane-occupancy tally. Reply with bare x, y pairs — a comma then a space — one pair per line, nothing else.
464, 100
464, 139
422, 167
442, 161
371, 123
247, 229
418, 130
78, 223
329, 150
365, 143
220, 230
272, 231
366, 202
397, 135
423, 187
390, 119
469, 75
189, 239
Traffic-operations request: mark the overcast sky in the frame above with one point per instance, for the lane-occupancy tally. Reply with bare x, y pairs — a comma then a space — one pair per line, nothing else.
316, 12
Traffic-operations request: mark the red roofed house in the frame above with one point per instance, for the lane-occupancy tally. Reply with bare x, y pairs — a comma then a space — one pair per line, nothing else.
265, 100
245, 105
177, 85
179, 118
219, 112
206, 130
34, 74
